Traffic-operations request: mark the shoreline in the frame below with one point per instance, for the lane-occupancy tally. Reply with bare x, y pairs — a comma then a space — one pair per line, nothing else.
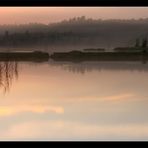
24, 56
99, 56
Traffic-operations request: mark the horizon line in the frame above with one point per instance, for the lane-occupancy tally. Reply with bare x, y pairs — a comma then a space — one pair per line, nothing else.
76, 17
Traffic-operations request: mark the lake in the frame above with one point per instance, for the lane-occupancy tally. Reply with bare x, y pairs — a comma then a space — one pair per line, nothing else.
73, 101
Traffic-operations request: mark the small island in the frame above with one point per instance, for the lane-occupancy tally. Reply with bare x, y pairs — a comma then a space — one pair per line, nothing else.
138, 52
135, 53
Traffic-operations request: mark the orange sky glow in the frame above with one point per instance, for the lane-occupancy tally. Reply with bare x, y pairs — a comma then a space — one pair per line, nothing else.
23, 15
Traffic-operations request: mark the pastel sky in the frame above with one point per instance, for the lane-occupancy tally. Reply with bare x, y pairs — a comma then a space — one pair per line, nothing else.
22, 15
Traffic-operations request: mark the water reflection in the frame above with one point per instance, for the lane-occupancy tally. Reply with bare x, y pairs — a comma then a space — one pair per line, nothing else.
67, 101
85, 67
8, 71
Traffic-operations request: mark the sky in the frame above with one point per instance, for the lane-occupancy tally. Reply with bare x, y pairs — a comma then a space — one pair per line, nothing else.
23, 15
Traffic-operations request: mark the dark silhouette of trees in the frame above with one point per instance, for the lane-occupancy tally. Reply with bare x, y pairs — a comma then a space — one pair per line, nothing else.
6, 34
8, 71
75, 31
137, 43
144, 43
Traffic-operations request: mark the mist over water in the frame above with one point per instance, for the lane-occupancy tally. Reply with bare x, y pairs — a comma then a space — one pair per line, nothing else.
75, 33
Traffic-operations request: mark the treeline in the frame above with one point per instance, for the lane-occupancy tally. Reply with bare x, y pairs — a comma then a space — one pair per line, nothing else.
75, 31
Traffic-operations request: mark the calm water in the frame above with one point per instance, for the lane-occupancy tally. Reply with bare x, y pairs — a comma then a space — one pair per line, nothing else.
73, 101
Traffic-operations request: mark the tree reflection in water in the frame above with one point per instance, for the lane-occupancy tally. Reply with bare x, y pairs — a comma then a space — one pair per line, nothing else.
8, 71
